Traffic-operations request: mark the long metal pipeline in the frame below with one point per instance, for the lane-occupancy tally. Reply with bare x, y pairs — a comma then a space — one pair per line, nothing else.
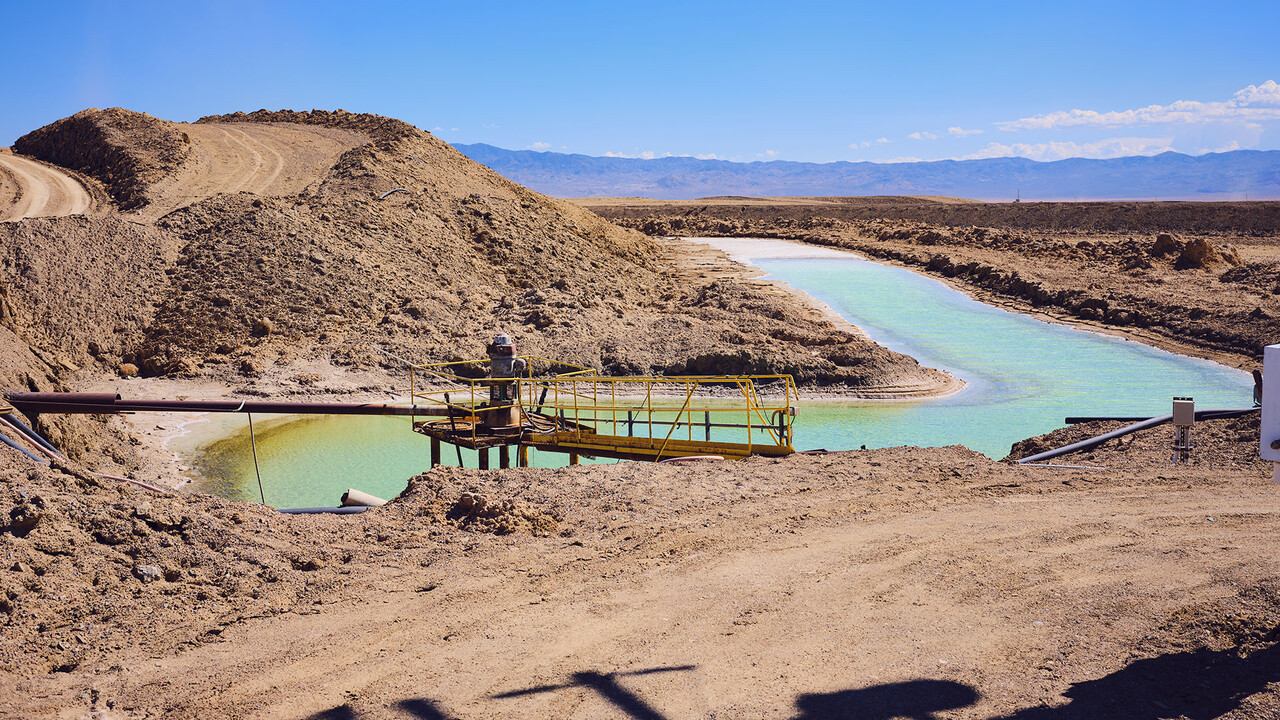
108, 404
1135, 427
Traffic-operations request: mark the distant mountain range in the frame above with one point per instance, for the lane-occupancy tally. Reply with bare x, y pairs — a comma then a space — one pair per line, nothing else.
1236, 175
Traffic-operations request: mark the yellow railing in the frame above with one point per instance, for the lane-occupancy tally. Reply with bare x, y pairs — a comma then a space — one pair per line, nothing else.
748, 413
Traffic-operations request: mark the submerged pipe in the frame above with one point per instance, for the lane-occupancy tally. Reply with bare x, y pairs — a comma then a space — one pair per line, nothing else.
1135, 427
109, 404
350, 510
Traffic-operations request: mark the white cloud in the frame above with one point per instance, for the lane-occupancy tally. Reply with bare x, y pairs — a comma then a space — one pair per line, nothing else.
1109, 148
707, 156
1254, 103
641, 154
868, 143
961, 132
922, 135
768, 154
1233, 145
901, 160
540, 146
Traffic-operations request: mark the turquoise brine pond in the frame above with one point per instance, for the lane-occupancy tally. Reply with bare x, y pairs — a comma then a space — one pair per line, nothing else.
1023, 377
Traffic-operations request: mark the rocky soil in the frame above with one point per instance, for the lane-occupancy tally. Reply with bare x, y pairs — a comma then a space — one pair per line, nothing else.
892, 582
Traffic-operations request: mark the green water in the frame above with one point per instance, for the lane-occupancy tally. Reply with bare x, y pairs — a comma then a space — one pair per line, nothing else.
1023, 376
310, 460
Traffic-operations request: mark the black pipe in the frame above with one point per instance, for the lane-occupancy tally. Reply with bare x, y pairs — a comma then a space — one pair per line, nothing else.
107, 404
1213, 414
32, 434
1143, 425
19, 448
349, 510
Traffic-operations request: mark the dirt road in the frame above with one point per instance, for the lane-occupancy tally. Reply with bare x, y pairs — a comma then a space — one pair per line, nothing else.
276, 160
29, 188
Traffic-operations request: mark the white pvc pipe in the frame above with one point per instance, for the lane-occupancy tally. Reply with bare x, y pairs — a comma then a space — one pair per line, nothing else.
355, 498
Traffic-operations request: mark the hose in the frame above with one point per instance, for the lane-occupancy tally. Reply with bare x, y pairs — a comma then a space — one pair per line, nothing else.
19, 448
18, 425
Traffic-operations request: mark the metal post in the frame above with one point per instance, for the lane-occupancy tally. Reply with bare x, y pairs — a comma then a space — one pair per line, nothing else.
504, 456
707, 424
1184, 416
573, 458
435, 452
522, 455
484, 458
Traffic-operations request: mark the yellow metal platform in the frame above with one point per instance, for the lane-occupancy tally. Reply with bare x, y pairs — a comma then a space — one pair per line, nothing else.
574, 410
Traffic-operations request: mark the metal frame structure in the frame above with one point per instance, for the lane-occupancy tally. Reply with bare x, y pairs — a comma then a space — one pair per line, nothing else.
580, 412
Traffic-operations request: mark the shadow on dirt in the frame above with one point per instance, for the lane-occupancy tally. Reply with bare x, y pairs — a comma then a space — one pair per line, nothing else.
915, 699
1196, 685
606, 684
1200, 684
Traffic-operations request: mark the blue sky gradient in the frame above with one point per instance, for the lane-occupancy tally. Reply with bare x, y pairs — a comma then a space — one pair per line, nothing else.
734, 80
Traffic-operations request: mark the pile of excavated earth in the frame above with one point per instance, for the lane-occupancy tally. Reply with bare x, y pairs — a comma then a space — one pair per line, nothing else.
286, 254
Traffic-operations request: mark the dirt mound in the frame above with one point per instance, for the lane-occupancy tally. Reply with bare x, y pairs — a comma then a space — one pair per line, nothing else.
127, 151
116, 268
458, 254
384, 131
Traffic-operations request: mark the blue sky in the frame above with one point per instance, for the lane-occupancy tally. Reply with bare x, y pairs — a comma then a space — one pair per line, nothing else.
734, 80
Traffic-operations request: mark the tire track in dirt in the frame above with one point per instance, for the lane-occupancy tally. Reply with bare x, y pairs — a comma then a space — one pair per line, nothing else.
263, 159
254, 154
34, 189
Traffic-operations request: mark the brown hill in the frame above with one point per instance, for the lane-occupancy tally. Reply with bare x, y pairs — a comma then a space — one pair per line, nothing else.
283, 249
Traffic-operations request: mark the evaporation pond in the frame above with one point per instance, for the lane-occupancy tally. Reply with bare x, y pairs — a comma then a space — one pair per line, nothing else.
1024, 376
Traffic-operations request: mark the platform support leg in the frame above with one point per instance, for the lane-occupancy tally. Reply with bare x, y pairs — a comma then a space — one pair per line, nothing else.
484, 458
522, 455
435, 452
504, 457
573, 458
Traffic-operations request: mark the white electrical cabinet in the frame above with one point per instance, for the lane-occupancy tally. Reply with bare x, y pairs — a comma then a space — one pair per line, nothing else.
1269, 447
